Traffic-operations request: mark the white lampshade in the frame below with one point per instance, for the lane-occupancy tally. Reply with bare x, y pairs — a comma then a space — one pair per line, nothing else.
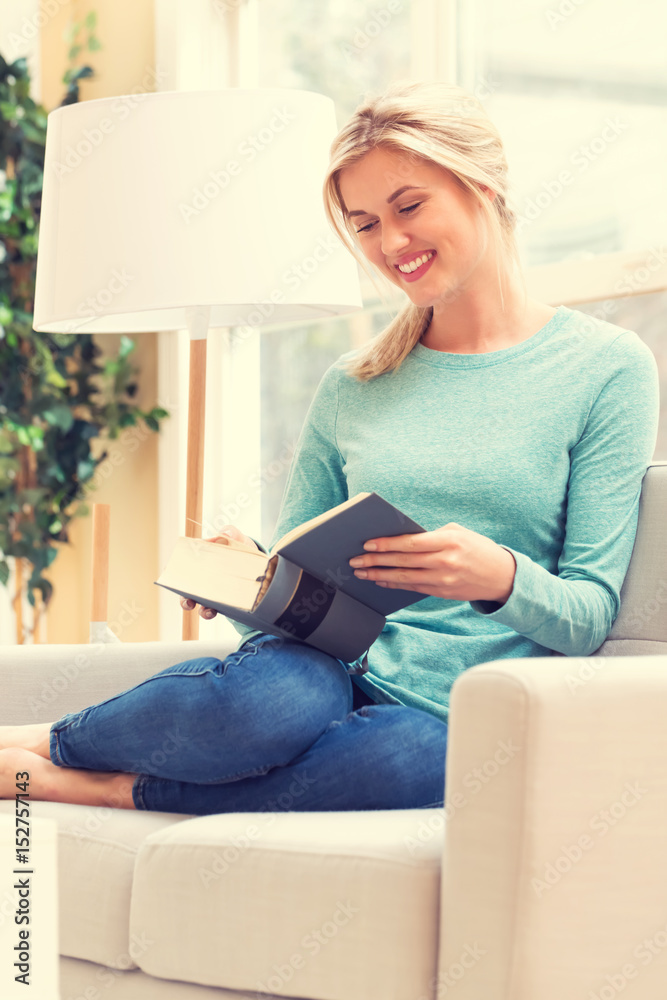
156, 204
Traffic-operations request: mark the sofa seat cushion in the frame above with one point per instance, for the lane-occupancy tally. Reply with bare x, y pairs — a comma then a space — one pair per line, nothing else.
97, 852
330, 905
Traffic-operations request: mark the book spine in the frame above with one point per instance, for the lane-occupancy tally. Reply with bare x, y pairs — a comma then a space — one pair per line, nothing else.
318, 613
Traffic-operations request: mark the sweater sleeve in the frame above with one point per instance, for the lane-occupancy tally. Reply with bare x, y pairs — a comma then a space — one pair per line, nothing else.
573, 612
316, 481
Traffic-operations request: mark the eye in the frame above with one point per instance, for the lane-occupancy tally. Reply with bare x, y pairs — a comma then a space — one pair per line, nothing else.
408, 208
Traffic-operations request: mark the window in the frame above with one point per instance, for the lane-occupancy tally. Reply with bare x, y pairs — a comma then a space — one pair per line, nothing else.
579, 99
344, 49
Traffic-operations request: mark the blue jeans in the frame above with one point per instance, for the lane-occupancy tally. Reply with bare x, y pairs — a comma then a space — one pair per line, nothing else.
275, 726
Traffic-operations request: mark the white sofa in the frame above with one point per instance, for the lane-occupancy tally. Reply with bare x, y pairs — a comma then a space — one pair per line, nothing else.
543, 878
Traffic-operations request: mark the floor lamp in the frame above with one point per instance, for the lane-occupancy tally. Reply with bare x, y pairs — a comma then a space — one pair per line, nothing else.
189, 210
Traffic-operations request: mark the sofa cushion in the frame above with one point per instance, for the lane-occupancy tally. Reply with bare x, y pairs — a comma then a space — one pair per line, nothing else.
88, 981
337, 906
97, 851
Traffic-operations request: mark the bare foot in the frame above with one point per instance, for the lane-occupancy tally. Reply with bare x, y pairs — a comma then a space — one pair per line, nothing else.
49, 783
34, 737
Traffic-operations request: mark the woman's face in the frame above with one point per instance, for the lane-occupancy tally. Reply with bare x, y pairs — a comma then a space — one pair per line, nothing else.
416, 223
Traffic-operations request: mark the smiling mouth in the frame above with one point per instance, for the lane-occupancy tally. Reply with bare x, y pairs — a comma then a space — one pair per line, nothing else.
415, 264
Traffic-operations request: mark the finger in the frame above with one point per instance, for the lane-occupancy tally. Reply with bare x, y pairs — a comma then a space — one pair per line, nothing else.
418, 541
402, 543
187, 604
399, 577
393, 558
207, 613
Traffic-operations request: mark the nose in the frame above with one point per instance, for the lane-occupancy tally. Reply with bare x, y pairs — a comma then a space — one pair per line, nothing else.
395, 239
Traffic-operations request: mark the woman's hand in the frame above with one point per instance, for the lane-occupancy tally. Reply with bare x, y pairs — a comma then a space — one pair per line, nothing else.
230, 532
452, 562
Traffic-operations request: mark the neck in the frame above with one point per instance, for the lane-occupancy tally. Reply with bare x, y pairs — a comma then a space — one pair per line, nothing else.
478, 324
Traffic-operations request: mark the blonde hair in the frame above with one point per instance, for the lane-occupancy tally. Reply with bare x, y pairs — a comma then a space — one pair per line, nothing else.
443, 124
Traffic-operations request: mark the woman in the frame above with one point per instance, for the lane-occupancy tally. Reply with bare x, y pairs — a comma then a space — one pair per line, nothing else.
517, 434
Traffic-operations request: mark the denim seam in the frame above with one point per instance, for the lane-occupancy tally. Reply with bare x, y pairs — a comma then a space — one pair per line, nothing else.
137, 792
107, 701
185, 673
240, 775
56, 747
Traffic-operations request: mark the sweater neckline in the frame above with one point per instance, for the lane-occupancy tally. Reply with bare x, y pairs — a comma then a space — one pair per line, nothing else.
444, 359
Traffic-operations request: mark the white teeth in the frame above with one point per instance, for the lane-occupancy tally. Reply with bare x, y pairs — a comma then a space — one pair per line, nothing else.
414, 264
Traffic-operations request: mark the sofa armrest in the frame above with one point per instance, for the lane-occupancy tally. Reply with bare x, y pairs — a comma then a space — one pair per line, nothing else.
43, 683
554, 872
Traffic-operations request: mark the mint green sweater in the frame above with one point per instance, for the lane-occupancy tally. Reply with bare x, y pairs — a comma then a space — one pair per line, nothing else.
541, 446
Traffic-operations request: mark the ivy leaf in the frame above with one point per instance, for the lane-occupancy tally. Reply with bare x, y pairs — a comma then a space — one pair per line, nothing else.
55, 379
32, 497
4, 572
85, 469
60, 416
39, 583
7, 446
127, 345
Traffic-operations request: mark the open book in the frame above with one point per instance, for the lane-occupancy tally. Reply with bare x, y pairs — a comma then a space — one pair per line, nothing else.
304, 588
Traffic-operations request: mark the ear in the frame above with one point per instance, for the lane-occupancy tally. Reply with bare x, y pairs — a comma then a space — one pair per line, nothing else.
488, 192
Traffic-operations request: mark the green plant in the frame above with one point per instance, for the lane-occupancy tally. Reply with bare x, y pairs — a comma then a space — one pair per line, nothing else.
56, 395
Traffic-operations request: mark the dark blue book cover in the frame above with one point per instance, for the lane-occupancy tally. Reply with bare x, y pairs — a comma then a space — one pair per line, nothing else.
326, 549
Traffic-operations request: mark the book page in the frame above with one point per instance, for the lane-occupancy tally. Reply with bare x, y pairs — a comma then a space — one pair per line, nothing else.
226, 574
301, 529
233, 544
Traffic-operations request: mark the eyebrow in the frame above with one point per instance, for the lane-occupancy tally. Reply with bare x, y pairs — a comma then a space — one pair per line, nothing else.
392, 197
